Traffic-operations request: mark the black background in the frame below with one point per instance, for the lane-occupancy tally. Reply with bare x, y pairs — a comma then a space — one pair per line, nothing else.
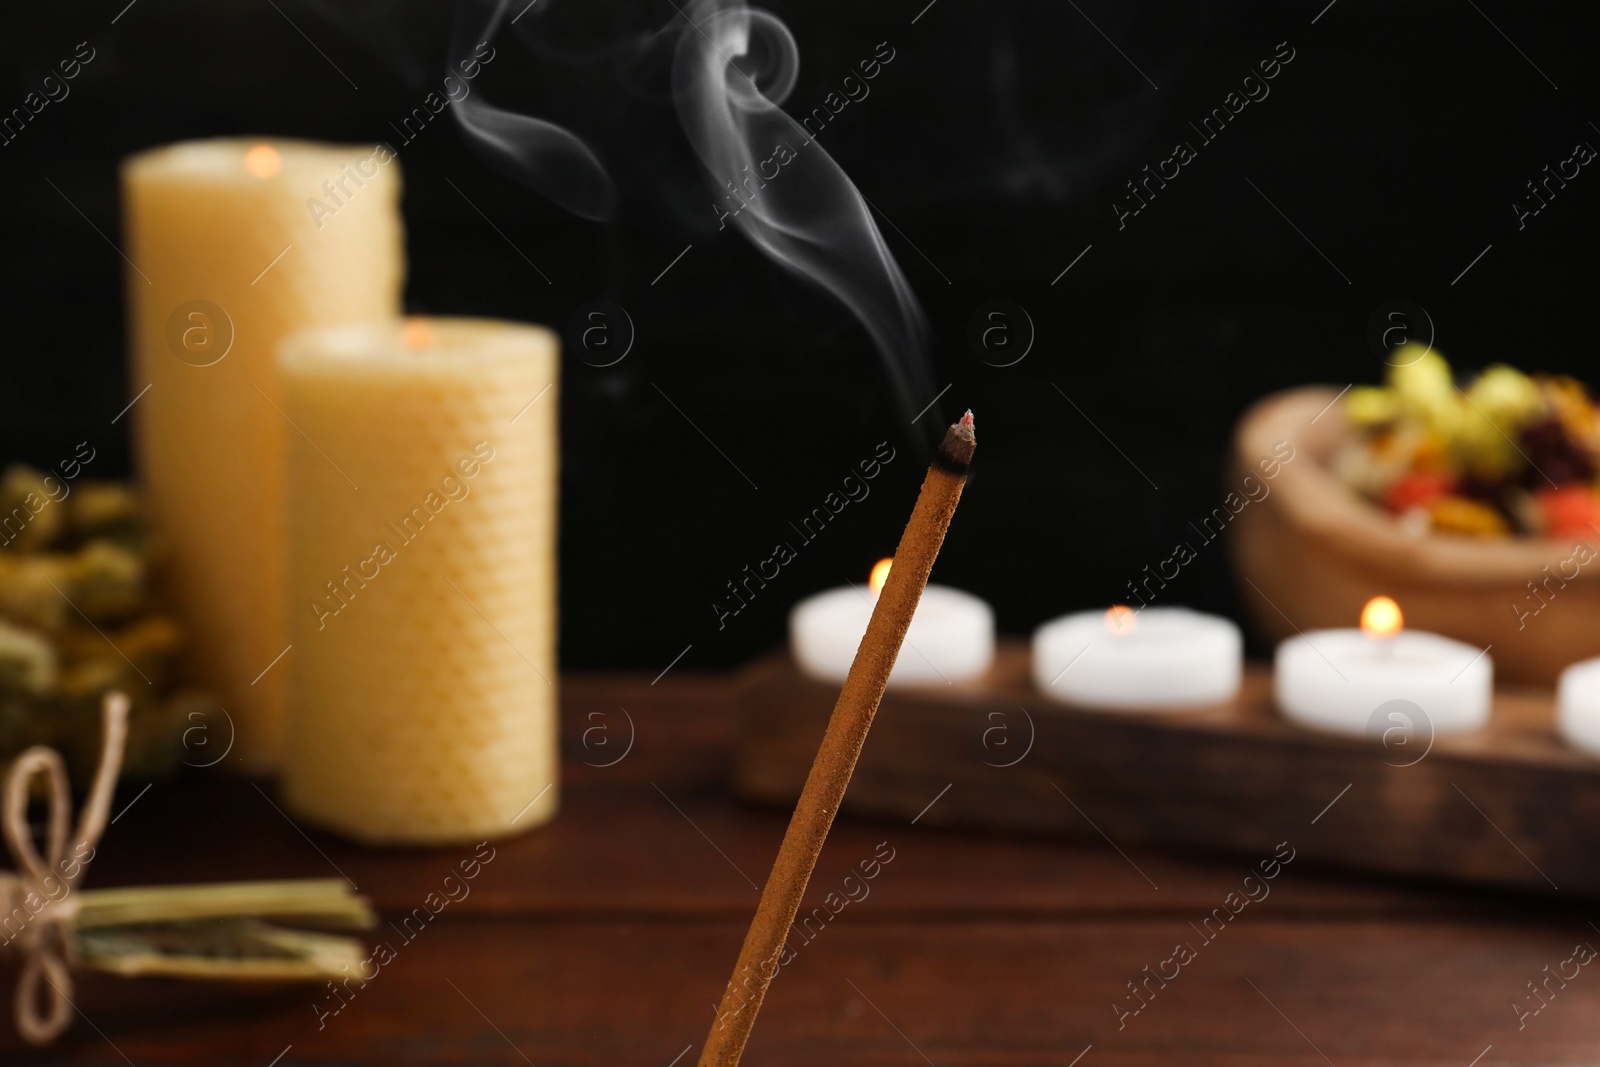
996, 142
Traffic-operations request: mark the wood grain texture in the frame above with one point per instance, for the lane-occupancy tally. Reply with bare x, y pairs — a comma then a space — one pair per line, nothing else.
1509, 807
605, 937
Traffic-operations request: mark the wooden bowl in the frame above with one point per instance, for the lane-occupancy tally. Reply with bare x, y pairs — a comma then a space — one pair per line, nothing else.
1311, 551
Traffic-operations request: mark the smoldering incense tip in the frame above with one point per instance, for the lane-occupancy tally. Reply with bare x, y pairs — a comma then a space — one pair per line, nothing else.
955, 452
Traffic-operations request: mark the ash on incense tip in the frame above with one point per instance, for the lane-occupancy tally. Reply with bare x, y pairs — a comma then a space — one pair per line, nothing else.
955, 451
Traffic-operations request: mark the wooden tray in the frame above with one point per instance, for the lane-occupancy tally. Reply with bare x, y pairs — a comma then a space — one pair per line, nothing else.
1509, 806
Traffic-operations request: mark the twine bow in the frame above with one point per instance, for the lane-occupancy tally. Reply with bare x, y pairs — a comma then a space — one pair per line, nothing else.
37, 909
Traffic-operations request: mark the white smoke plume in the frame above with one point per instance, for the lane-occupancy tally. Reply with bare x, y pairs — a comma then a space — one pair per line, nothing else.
728, 67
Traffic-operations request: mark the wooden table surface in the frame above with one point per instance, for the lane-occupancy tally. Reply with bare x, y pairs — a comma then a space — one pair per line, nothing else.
606, 937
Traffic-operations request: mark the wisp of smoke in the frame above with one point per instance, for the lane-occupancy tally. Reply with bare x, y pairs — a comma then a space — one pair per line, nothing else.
729, 67
552, 160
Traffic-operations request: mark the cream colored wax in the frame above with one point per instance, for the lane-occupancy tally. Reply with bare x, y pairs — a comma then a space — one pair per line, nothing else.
234, 244
422, 703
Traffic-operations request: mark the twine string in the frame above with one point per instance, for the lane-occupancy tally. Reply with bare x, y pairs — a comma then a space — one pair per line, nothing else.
36, 898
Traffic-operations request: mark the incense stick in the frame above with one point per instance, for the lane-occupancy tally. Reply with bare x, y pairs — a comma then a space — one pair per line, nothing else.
761, 954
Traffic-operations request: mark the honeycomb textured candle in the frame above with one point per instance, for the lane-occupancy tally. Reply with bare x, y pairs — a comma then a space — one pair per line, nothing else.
235, 243
422, 705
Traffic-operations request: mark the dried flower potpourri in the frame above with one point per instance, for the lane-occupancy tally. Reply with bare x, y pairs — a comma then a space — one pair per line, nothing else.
1500, 454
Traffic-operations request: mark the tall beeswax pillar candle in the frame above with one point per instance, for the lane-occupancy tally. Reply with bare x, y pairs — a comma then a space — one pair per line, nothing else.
236, 243
422, 703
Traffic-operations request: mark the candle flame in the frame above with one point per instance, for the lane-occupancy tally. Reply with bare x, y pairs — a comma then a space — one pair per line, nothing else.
417, 334
263, 161
1121, 619
880, 574
1381, 618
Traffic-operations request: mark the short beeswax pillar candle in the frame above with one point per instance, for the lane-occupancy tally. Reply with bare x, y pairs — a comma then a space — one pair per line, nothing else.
233, 244
422, 701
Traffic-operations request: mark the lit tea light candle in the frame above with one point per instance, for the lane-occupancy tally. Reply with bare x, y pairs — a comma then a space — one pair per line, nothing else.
1150, 660
1578, 706
1337, 680
951, 638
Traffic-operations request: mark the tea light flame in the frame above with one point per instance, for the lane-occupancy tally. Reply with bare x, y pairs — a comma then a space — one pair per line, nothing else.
879, 575
263, 161
417, 334
1121, 620
1381, 618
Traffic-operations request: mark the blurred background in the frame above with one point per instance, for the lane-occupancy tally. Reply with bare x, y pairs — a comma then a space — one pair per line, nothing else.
1381, 164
